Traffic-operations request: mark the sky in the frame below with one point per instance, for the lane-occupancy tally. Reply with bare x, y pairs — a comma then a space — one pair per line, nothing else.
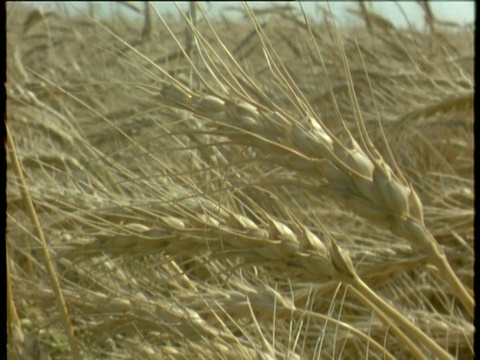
463, 12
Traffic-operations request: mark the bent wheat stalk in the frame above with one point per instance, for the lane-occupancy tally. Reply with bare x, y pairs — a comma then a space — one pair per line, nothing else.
368, 186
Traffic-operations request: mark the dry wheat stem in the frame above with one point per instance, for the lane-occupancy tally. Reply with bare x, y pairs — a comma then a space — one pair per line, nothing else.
48, 260
402, 321
398, 333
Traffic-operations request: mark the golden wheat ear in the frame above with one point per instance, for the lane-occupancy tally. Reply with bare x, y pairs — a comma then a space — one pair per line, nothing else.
369, 186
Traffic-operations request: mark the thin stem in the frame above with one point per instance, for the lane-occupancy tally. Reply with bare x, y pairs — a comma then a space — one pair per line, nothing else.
401, 336
48, 260
458, 288
398, 318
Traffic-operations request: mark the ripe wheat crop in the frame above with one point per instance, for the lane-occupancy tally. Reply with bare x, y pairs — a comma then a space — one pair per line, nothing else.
272, 187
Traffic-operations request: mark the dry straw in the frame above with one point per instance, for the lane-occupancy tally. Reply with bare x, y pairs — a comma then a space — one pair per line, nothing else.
235, 199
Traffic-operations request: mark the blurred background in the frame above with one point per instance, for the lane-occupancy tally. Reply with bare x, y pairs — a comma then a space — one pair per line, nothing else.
461, 12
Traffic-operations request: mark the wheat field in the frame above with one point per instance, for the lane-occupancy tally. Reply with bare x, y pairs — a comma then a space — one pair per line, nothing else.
274, 187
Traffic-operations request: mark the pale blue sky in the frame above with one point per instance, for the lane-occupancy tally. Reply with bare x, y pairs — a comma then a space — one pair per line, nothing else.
458, 11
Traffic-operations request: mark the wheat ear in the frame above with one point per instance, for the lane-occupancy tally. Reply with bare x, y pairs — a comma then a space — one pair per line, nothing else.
366, 183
